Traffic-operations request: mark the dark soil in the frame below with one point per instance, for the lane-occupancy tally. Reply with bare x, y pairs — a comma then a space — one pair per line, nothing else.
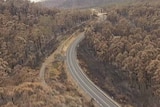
110, 79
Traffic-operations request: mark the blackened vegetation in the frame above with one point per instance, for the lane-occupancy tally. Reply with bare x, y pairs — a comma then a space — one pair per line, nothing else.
127, 44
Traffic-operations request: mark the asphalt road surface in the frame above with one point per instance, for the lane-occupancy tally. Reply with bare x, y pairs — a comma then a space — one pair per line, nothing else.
82, 80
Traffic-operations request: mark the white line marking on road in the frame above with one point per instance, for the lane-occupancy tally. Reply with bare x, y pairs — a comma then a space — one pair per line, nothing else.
83, 81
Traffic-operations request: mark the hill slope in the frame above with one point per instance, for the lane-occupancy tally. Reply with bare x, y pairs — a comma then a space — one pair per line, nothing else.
28, 34
79, 3
122, 54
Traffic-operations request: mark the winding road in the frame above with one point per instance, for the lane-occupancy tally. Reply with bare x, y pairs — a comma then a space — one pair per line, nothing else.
83, 81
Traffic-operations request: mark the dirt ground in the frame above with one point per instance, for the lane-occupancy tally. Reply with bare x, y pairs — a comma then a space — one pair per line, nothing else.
106, 77
57, 77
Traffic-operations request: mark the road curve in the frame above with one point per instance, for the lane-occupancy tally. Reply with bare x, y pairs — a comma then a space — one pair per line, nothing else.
83, 81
